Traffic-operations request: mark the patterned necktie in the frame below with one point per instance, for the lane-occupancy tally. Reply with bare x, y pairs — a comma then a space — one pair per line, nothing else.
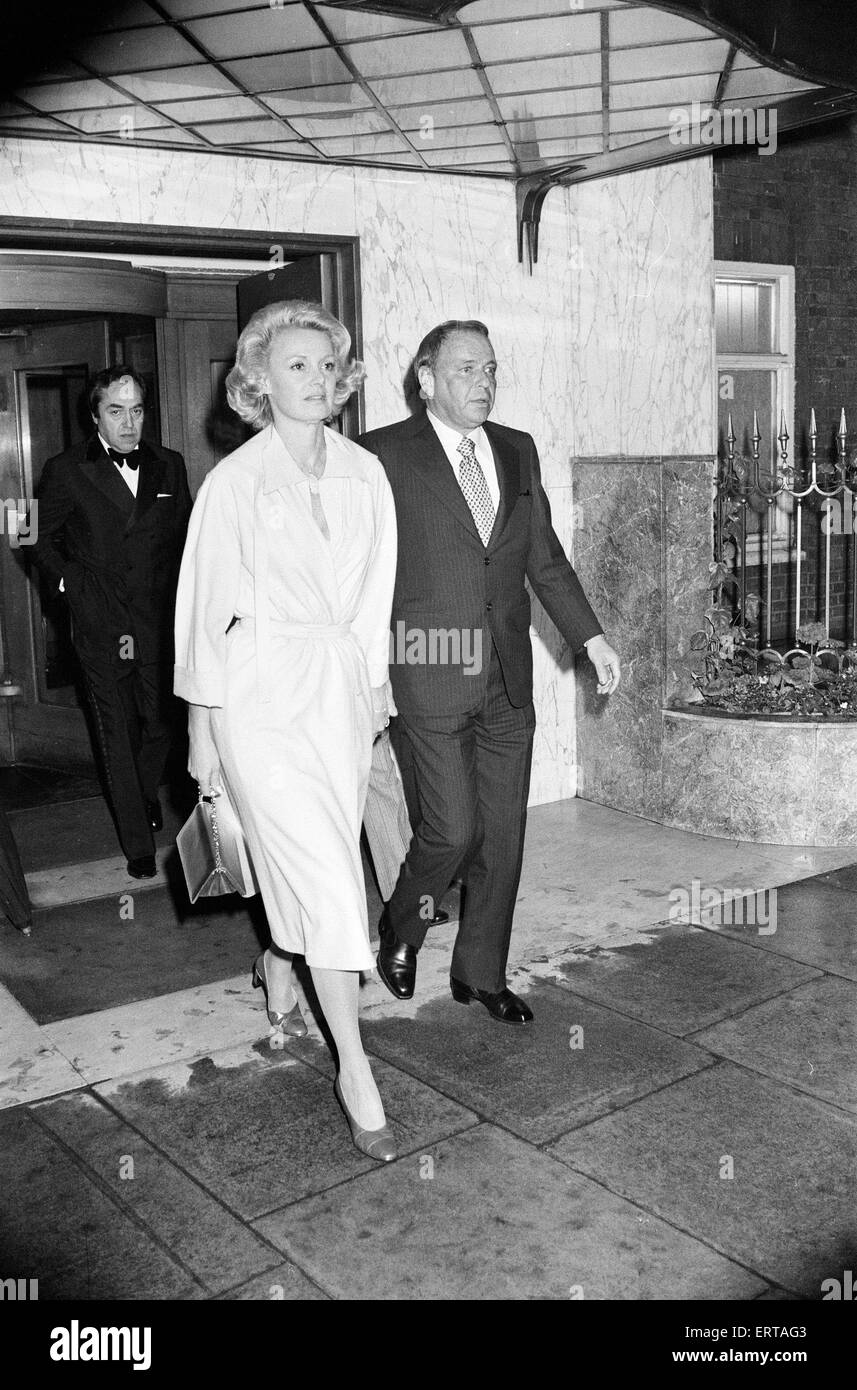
475, 489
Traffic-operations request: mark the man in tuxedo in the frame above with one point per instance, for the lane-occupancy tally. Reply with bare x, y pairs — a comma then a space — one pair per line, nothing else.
474, 522
112, 518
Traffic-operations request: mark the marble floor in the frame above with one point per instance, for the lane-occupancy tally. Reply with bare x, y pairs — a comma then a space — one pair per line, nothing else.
680, 1122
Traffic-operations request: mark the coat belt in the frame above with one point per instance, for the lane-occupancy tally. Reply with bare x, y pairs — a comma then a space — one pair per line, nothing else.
285, 629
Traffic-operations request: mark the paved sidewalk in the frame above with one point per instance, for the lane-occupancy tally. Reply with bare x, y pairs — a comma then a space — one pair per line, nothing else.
679, 1122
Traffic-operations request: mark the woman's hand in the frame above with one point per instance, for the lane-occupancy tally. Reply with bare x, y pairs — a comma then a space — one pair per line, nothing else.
203, 763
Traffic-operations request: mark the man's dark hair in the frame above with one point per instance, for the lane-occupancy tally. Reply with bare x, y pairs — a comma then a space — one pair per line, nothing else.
98, 384
433, 342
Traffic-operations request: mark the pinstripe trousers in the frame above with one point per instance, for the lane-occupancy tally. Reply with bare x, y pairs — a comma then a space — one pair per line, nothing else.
472, 774
385, 817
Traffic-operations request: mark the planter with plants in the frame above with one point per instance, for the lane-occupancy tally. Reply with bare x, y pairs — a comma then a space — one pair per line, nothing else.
738, 679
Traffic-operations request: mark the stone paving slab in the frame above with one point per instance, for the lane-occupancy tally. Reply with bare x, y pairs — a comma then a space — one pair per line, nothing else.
844, 877
493, 1219
788, 1211
209, 1241
31, 1066
779, 1296
816, 923
58, 1226
684, 979
538, 1080
263, 1129
807, 1038
283, 1284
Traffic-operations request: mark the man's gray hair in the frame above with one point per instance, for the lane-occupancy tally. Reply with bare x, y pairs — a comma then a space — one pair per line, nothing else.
428, 350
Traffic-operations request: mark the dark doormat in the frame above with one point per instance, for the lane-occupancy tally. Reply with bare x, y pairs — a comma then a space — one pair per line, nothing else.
74, 832
23, 785
88, 956
85, 957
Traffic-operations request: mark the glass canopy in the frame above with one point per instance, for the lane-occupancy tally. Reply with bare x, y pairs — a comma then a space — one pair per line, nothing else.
505, 89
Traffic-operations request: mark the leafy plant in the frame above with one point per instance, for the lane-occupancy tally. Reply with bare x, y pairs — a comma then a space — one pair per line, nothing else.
763, 683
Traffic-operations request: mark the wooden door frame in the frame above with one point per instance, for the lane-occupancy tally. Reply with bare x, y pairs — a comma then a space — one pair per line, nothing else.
48, 234
56, 729
51, 235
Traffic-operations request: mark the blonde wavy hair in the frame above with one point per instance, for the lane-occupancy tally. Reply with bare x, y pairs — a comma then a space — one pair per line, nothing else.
244, 382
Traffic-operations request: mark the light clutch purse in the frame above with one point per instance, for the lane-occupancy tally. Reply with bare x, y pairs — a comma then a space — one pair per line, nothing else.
213, 851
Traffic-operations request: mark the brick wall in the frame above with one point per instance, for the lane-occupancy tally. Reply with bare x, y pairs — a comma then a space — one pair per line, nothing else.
799, 207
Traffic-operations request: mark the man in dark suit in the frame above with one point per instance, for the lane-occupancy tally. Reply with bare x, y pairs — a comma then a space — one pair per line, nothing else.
112, 518
474, 522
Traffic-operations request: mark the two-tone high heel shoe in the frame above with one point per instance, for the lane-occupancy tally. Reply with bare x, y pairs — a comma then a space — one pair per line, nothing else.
376, 1143
291, 1023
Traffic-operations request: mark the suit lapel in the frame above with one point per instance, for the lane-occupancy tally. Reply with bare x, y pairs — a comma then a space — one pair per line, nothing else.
100, 471
428, 461
508, 477
149, 483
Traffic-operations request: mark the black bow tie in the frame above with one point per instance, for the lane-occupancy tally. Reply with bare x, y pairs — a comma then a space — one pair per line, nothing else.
131, 460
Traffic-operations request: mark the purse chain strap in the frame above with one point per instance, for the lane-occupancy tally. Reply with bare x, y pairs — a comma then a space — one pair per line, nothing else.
212, 812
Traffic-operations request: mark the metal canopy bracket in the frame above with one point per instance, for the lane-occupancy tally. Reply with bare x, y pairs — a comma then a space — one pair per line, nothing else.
530, 194
808, 108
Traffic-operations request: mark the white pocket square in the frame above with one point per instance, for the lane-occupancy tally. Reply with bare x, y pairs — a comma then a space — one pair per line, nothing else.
163, 494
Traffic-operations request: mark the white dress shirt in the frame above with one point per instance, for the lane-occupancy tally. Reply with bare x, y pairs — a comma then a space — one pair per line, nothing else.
449, 442
131, 475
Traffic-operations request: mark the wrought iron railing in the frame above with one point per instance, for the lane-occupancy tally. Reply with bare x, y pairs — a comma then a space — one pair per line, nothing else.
814, 492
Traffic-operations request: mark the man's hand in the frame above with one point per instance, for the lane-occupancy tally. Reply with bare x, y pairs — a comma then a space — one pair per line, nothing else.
606, 663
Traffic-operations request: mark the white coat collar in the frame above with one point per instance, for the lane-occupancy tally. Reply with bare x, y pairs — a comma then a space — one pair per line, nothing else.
280, 469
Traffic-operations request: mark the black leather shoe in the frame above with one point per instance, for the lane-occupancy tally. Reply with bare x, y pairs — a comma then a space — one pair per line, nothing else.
397, 964
153, 811
143, 868
505, 1006
439, 918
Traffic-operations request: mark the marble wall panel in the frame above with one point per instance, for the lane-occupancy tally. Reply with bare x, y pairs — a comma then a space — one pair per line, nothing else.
459, 260
618, 555
643, 312
687, 489
555, 681
554, 776
183, 189
98, 182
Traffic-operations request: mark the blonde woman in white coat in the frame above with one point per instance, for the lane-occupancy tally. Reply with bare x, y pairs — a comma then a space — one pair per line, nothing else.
282, 631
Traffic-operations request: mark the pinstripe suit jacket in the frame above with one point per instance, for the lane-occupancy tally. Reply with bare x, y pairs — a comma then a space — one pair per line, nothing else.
448, 581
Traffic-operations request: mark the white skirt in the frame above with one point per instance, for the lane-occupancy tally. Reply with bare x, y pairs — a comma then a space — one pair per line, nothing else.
296, 768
